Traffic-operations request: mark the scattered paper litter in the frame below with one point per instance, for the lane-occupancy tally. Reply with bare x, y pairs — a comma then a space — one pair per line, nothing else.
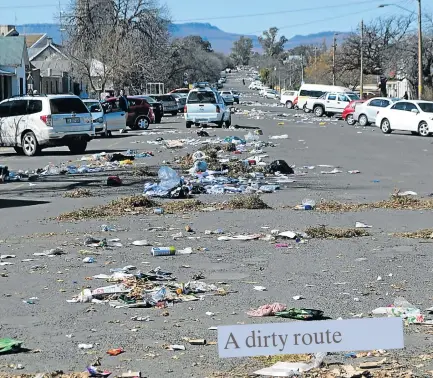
7, 257
289, 369
406, 193
186, 251
5, 263
140, 243
362, 225
284, 136
298, 297
354, 172
260, 288
333, 172
288, 234
50, 252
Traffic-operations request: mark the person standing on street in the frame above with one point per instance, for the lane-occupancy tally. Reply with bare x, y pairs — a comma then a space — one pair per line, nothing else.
123, 101
406, 96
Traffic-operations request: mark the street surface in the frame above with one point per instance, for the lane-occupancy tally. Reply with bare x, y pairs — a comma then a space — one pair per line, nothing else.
339, 277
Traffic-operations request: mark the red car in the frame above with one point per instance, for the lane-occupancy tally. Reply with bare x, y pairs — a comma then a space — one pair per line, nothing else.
140, 112
348, 112
181, 90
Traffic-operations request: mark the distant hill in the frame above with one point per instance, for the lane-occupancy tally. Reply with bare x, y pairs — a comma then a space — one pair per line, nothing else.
221, 41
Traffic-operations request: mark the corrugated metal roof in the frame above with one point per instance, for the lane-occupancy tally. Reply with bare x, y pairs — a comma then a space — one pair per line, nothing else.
57, 66
11, 51
31, 39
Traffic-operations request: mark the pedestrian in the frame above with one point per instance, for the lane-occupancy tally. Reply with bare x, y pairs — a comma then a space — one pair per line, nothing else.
123, 101
406, 96
243, 81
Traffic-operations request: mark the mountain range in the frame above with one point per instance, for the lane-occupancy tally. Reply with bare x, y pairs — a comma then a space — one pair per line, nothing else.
220, 40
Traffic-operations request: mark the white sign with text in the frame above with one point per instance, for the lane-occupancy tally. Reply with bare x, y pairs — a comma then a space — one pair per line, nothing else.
310, 337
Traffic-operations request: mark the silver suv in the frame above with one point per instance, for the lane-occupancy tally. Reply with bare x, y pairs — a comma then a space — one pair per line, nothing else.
204, 106
31, 123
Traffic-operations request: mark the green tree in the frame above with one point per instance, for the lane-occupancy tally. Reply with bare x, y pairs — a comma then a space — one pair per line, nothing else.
265, 74
242, 50
272, 45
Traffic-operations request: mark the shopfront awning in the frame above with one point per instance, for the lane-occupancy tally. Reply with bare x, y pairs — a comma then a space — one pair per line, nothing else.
6, 73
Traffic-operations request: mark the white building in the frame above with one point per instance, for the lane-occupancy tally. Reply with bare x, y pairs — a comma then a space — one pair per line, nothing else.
13, 63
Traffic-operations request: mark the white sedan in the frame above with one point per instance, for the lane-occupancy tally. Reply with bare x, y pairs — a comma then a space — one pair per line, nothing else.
272, 94
413, 116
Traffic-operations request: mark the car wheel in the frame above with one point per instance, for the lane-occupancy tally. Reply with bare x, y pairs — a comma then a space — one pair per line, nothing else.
30, 144
306, 110
173, 113
19, 150
318, 111
385, 126
349, 120
188, 125
77, 146
363, 120
289, 104
423, 129
142, 123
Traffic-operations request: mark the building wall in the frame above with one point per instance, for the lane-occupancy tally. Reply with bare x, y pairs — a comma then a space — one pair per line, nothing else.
49, 53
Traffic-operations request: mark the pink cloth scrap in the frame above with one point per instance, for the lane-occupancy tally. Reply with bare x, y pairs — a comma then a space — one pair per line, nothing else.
267, 310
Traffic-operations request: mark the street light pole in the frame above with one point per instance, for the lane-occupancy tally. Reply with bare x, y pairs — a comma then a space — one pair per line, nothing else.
361, 79
420, 75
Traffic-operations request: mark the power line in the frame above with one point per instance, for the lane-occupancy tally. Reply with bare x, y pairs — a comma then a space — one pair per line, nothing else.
30, 6
281, 12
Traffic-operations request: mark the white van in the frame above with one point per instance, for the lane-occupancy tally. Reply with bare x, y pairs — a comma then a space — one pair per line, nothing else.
315, 91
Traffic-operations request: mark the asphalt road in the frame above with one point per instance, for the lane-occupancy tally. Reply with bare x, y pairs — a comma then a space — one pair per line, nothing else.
338, 277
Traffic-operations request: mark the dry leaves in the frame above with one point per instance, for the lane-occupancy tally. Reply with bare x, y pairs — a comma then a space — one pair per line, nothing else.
323, 232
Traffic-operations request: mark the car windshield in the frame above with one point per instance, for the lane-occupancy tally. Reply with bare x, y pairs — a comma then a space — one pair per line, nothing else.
353, 96
426, 106
164, 98
94, 104
67, 105
150, 100
201, 97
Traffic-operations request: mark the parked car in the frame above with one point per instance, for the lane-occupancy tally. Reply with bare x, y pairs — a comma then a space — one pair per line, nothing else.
254, 85
32, 123
413, 116
236, 96
330, 103
311, 91
287, 98
271, 94
105, 123
140, 113
168, 102
263, 89
180, 101
365, 114
157, 107
227, 97
205, 106
347, 114
180, 90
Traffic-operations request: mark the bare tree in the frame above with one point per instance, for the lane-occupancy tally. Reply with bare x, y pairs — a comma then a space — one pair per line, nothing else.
108, 40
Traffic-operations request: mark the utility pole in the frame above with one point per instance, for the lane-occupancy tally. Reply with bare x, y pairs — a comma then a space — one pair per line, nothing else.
302, 69
420, 75
334, 47
315, 64
361, 79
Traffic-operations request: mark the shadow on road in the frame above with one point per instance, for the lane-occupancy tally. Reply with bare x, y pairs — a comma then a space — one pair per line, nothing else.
65, 153
8, 203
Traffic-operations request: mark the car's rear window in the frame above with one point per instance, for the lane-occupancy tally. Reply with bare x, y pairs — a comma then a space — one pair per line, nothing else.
201, 97
165, 98
426, 106
67, 105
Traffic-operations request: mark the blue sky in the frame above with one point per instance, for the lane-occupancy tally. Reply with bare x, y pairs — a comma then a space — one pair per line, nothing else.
291, 17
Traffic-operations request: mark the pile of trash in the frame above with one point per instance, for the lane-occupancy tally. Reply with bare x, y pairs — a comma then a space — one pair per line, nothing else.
143, 290
95, 163
217, 169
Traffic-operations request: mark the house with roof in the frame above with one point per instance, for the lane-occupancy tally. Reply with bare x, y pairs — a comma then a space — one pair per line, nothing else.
14, 62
